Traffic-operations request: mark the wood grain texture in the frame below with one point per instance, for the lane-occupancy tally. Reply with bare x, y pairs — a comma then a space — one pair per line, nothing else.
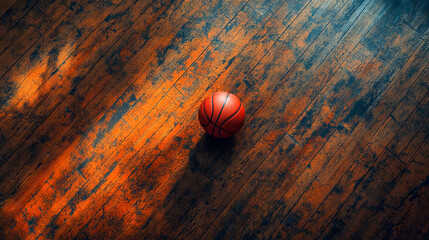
100, 139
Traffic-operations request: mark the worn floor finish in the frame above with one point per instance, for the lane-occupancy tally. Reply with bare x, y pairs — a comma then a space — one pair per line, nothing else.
99, 136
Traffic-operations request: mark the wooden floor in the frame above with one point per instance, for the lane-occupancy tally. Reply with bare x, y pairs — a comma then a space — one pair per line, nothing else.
100, 139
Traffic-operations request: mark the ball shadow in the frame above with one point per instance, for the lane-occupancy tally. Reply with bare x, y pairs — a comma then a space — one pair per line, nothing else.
194, 188
211, 155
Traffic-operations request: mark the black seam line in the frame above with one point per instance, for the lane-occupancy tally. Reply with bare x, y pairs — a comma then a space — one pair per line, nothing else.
223, 129
212, 108
230, 118
226, 99
218, 116
217, 127
226, 131
232, 115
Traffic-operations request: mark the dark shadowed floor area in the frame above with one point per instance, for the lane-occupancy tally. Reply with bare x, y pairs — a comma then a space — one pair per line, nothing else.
99, 131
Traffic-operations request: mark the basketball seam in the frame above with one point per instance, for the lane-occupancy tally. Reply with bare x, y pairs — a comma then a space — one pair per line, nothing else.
220, 113
220, 127
211, 117
205, 113
215, 126
232, 115
225, 131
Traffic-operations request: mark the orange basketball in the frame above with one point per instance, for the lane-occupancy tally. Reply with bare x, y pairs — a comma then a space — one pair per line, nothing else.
221, 114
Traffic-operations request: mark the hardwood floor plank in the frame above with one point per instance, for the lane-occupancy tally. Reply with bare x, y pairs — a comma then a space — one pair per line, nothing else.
363, 201
199, 96
69, 139
13, 72
74, 116
13, 14
413, 130
22, 37
110, 32
294, 217
322, 211
336, 198
314, 74
406, 185
35, 74
424, 234
412, 146
24, 23
38, 75
277, 204
419, 19
382, 31
360, 95
407, 222
367, 197
100, 138
6, 5
69, 223
30, 127
356, 64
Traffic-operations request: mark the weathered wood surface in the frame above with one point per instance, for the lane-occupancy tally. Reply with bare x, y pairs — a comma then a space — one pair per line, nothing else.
99, 136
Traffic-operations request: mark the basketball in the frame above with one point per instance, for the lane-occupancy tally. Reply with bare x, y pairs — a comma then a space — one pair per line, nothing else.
221, 114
